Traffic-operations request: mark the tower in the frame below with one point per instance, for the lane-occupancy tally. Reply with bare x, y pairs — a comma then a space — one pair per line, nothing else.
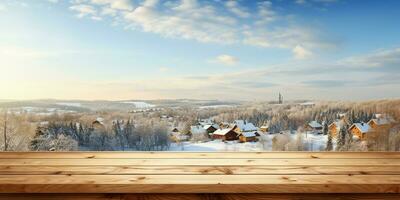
280, 100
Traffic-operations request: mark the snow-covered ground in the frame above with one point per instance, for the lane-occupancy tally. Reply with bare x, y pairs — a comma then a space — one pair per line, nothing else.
140, 104
216, 106
312, 142
69, 104
217, 145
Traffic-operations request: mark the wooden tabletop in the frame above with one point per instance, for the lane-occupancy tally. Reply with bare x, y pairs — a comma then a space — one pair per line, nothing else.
176, 172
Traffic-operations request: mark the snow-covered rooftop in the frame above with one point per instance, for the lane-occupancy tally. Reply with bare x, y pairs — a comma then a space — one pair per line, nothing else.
382, 120
338, 123
222, 131
245, 126
315, 124
249, 134
363, 127
210, 125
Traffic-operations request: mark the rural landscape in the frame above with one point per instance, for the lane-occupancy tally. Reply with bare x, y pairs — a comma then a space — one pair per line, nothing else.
199, 75
200, 125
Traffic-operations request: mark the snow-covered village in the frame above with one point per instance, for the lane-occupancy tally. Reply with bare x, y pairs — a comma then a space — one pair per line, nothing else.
200, 125
199, 75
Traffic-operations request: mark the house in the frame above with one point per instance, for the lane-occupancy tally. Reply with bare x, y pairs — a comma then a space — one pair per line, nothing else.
359, 129
334, 127
244, 126
210, 129
224, 125
225, 134
264, 128
98, 123
247, 137
314, 126
380, 122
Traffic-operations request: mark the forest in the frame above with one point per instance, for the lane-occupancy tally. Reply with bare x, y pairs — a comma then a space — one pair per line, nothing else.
111, 130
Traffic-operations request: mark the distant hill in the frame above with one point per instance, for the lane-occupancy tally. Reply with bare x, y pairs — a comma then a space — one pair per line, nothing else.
126, 105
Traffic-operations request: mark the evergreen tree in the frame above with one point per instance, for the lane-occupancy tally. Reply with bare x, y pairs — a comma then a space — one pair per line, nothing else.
325, 128
329, 145
349, 136
341, 139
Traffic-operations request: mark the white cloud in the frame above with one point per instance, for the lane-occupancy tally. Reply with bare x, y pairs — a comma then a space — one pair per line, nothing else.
186, 5
202, 24
115, 4
206, 22
301, 53
378, 58
150, 3
96, 18
53, 1
233, 6
226, 59
109, 11
83, 10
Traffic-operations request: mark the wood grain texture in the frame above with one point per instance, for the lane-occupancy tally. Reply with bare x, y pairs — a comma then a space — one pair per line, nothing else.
203, 162
199, 172
204, 155
200, 196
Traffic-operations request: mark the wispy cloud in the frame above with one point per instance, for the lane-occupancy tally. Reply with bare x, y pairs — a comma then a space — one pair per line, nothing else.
84, 10
209, 22
235, 8
325, 83
301, 53
226, 60
115, 4
379, 58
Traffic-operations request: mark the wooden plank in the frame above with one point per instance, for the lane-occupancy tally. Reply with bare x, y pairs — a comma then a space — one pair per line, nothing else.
200, 155
199, 179
199, 196
199, 188
198, 170
106, 172
202, 162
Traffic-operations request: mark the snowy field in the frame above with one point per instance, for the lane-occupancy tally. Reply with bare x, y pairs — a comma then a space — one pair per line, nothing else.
140, 104
216, 106
70, 104
311, 141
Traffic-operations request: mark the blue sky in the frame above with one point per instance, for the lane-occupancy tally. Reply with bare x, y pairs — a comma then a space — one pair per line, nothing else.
215, 49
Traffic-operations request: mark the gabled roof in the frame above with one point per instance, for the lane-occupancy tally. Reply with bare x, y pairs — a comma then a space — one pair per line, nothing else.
245, 126
210, 125
222, 131
338, 123
248, 134
99, 120
380, 121
315, 124
363, 127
